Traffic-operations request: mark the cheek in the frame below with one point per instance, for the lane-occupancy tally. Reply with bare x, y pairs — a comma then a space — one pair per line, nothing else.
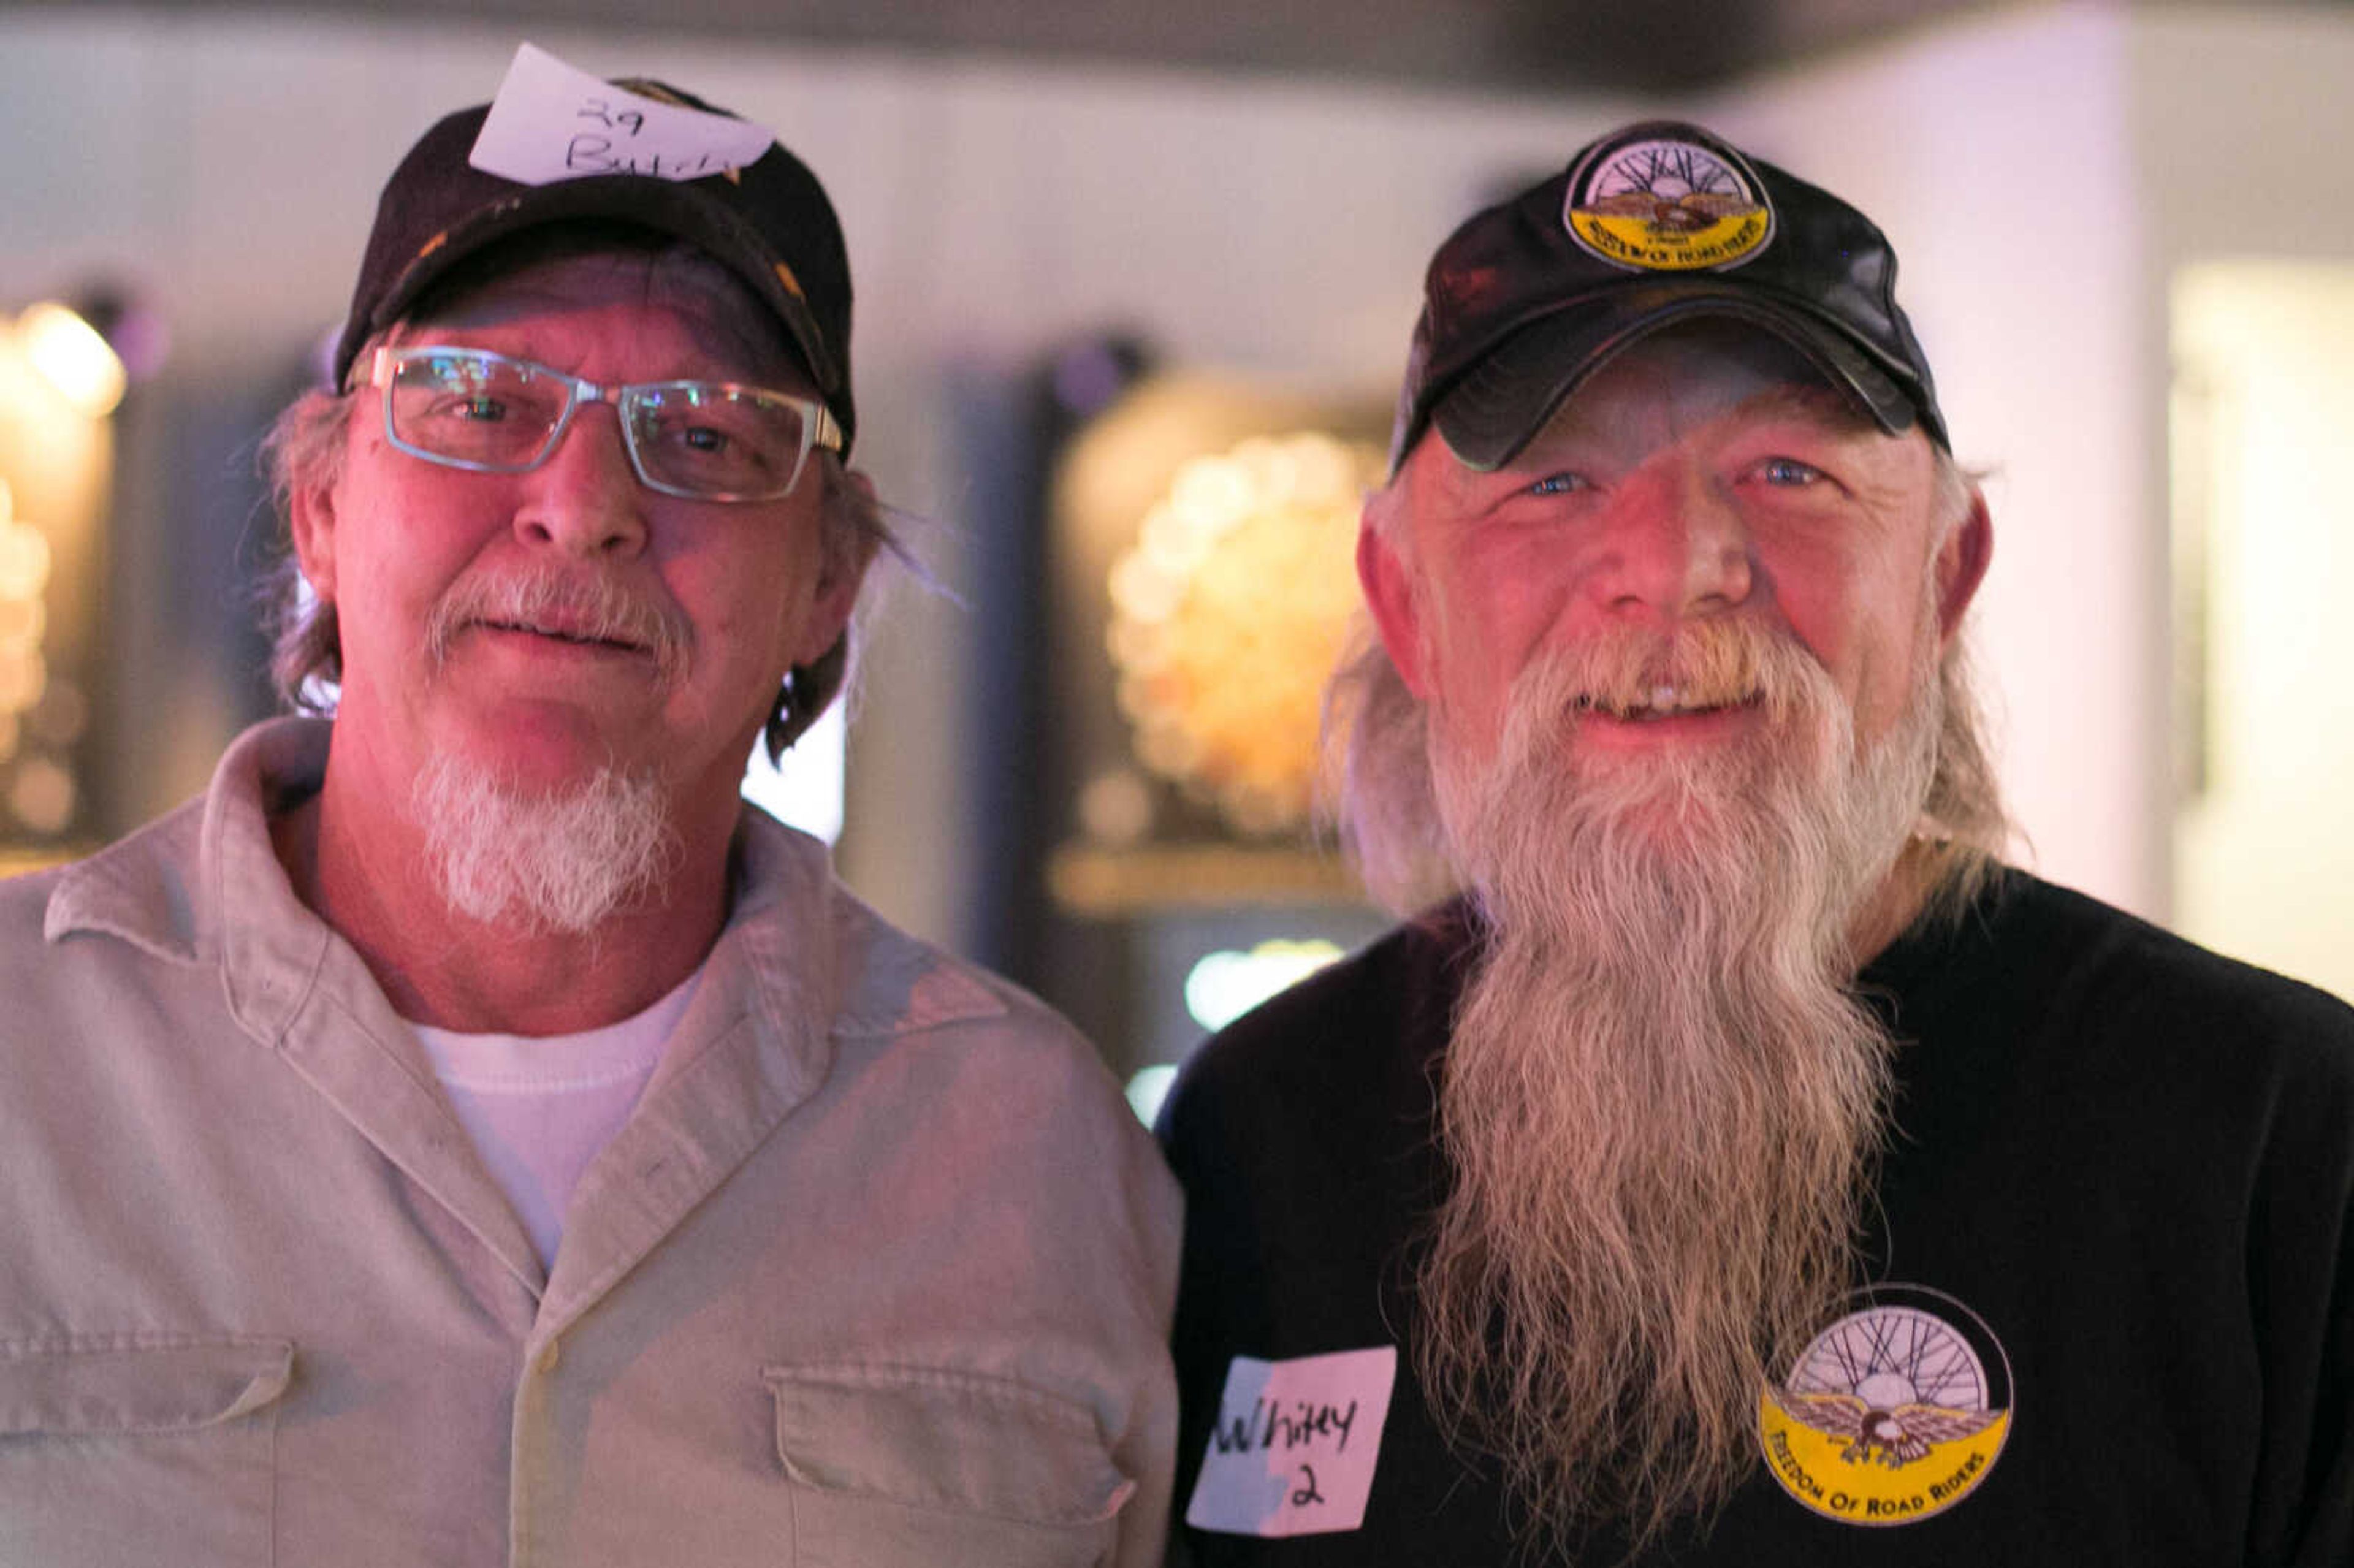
742, 609
1470, 665
1834, 600
1871, 643
1497, 624
419, 528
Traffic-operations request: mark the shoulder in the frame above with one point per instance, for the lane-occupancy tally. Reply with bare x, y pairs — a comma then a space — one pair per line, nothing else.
974, 1045
896, 985
1359, 1036
2073, 1004
999, 1093
23, 897
807, 931
1407, 976
162, 888
27, 969
2094, 956
819, 951
143, 888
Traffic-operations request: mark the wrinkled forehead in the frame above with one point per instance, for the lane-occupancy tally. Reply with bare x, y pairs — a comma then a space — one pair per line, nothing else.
569, 268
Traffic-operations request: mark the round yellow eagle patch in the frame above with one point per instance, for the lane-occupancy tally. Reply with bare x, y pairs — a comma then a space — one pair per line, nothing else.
1896, 1412
1666, 204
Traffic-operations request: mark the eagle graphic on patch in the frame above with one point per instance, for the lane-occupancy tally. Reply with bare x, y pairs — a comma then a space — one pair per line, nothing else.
1673, 209
1891, 1437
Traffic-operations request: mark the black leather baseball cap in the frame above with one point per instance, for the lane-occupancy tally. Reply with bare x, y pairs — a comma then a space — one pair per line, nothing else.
769, 222
1655, 222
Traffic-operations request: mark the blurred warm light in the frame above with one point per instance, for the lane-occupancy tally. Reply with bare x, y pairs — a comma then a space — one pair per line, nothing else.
23, 677
1228, 614
24, 573
21, 620
59, 380
74, 358
24, 561
42, 795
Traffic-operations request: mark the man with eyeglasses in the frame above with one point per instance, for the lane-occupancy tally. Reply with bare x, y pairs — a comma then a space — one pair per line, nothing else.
472, 1134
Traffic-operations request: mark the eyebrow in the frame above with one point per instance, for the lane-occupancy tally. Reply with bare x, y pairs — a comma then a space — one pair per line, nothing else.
1814, 400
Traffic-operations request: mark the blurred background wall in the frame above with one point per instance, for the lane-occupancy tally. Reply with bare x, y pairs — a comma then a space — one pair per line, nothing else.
2127, 235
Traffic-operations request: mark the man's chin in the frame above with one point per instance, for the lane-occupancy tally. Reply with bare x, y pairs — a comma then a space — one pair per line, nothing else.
539, 748
1679, 791
563, 858
1673, 823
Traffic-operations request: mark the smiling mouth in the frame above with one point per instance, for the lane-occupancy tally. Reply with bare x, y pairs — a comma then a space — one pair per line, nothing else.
1665, 701
577, 639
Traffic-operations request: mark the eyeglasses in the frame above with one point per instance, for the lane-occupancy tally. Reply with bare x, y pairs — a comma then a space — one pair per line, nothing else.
707, 440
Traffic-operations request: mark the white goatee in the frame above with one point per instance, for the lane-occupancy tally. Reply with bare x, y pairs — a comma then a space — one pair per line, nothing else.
558, 862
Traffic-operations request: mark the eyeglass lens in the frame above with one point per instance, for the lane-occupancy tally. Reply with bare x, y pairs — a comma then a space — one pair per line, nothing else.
698, 438
716, 440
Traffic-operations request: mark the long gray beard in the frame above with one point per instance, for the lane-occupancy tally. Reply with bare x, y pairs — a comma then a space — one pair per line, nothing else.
560, 863
1662, 1104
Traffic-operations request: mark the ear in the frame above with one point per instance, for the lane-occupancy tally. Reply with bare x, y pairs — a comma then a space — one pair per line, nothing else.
1962, 562
1390, 597
311, 524
836, 593
828, 612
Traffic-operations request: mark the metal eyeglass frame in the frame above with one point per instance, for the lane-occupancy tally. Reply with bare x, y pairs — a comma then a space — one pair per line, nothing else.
819, 426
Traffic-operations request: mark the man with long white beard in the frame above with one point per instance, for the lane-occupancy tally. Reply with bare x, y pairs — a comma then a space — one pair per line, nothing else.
1743, 1166
472, 1134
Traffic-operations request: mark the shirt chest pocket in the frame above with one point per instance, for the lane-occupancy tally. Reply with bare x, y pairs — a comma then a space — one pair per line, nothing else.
138, 1450
922, 1466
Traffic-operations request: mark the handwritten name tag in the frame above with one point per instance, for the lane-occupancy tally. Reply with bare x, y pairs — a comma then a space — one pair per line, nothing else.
551, 122
1293, 1451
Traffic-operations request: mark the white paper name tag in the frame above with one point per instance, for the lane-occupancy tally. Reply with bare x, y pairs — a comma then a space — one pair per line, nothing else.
1294, 1448
552, 122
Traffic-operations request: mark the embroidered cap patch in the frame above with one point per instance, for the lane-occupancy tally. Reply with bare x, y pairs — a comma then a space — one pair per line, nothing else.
1653, 203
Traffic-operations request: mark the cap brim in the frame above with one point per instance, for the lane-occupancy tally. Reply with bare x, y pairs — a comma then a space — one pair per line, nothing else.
1501, 403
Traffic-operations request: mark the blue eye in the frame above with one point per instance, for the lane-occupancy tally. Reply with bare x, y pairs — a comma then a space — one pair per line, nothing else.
1558, 484
1789, 471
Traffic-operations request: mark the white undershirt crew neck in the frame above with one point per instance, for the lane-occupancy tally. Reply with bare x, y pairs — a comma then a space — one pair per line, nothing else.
539, 1107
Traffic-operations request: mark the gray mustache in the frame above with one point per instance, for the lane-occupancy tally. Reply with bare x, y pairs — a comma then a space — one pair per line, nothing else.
587, 609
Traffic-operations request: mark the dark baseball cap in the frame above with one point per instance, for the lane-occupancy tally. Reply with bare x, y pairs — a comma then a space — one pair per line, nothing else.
767, 221
1655, 222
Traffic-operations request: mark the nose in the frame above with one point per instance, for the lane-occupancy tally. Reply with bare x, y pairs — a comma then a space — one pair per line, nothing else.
585, 499
1677, 548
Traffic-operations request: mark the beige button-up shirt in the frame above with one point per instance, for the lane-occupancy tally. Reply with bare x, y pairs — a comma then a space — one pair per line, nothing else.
879, 1271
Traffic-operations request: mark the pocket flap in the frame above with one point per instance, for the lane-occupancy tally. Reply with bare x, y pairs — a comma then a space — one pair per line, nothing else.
94, 1387
936, 1438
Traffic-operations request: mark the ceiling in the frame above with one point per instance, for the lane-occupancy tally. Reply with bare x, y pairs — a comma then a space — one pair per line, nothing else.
1631, 45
